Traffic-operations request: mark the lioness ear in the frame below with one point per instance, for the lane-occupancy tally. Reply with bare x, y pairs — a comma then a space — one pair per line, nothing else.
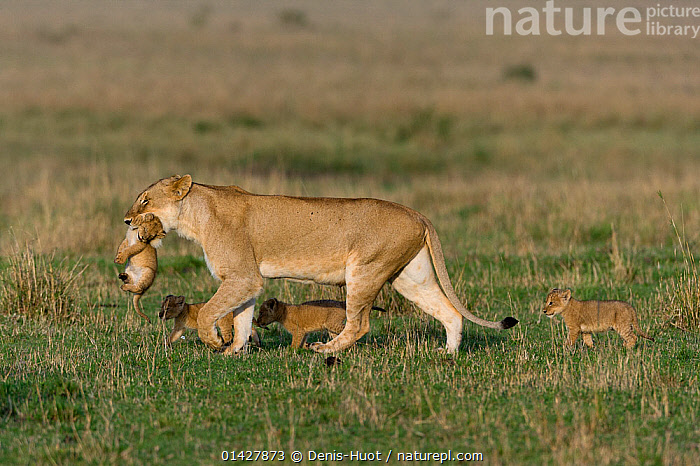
179, 186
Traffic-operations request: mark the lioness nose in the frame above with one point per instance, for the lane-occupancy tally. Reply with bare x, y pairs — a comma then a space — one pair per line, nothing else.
127, 221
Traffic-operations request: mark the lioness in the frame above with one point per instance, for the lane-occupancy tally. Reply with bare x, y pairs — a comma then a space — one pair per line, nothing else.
185, 315
138, 251
587, 317
301, 319
360, 243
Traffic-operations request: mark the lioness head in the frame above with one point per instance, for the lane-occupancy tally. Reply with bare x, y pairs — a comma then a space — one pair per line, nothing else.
556, 302
162, 199
268, 313
171, 307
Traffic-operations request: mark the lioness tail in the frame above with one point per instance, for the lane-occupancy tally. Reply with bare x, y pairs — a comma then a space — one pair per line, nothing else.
438, 258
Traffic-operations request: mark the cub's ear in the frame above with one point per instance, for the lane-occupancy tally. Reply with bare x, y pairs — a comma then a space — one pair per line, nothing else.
179, 186
179, 300
149, 217
566, 294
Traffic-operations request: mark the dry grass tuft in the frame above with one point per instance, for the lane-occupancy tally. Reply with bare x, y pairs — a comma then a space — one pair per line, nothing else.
683, 290
37, 285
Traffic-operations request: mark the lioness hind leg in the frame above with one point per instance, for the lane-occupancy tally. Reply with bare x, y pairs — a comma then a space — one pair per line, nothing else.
353, 331
363, 284
417, 283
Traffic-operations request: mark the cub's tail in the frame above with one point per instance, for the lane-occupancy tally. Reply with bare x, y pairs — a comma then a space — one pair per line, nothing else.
436, 254
638, 330
136, 299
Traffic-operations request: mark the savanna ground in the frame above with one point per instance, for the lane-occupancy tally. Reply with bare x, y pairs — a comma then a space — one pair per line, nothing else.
538, 160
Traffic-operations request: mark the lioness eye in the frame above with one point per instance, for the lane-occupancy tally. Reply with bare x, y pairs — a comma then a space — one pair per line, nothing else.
144, 201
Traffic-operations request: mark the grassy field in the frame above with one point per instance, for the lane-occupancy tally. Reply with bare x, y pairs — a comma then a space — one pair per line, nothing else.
538, 159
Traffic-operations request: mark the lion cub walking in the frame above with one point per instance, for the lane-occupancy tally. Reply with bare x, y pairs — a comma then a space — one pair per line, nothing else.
587, 317
301, 319
138, 251
185, 315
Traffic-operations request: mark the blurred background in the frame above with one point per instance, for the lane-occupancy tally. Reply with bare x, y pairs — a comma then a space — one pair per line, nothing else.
521, 145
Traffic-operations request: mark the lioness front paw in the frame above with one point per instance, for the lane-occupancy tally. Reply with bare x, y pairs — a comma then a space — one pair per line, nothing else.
233, 351
320, 347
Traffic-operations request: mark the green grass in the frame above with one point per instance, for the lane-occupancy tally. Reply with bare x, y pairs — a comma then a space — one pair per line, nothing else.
106, 389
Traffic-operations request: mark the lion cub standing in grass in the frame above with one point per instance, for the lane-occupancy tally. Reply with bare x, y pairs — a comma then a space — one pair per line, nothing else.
185, 315
138, 251
594, 316
301, 319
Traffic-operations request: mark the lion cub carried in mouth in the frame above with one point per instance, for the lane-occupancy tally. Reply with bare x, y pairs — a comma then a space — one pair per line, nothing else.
587, 317
138, 251
301, 319
185, 315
